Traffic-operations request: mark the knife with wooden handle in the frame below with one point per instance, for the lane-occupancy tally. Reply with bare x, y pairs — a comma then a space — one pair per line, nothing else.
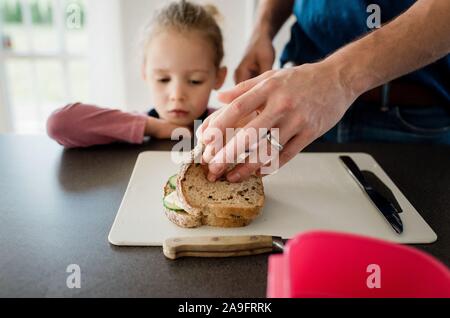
221, 246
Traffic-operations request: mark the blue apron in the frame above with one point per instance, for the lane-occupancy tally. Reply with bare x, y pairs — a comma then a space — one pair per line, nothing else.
323, 26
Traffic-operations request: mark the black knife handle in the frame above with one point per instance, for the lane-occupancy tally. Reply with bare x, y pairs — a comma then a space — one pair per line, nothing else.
355, 171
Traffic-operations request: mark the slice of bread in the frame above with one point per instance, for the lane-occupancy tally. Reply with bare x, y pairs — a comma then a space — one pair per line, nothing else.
221, 198
183, 219
180, 218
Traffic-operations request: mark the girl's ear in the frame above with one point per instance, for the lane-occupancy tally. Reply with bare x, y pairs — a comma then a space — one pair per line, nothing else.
220, 77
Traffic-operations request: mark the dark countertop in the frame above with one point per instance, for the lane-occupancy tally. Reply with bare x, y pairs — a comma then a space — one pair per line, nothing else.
57, 207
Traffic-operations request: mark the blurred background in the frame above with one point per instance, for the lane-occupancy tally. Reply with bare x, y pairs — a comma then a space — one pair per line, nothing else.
56, 52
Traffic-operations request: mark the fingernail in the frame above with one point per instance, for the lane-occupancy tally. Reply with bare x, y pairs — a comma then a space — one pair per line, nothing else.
211, 177
234, 177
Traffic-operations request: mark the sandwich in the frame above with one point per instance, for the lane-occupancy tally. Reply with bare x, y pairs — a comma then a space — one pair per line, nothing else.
191, 200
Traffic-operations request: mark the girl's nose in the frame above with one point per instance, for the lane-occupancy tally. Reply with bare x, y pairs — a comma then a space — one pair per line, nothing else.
177, 92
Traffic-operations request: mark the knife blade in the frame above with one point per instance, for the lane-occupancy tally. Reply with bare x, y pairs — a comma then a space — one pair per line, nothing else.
384, 205
221, 246
378, 185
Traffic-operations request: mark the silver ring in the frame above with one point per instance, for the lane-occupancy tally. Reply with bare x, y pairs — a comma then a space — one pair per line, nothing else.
274, 142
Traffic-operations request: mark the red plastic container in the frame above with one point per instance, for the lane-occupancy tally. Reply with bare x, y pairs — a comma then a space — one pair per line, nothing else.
326, 264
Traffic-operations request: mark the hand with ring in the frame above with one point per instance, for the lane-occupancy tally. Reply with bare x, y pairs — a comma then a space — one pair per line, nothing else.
303, 102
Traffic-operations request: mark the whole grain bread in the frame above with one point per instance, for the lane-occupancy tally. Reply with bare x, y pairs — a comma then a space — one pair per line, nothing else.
221, 199
184, 219
181, 218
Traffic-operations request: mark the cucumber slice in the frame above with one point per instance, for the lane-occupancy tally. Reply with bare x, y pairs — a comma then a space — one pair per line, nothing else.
173, 181
172, 202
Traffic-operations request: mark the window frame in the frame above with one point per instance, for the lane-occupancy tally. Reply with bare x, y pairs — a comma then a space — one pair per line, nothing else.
61, 56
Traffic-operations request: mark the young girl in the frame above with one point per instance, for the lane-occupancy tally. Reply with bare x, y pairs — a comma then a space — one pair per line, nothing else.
183, 51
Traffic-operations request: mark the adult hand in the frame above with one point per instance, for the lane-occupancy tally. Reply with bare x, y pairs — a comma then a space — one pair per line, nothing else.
302, 102
208, 152
259, 58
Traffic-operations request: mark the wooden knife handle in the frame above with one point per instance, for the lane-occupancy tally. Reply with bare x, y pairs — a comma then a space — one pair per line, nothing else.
217, 246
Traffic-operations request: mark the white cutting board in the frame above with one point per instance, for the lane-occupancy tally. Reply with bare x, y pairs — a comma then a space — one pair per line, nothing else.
313, 191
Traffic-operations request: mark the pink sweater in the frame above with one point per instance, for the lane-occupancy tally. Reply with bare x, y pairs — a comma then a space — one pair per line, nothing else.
81, 125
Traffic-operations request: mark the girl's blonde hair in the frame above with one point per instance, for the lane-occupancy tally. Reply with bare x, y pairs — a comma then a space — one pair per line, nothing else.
184, 16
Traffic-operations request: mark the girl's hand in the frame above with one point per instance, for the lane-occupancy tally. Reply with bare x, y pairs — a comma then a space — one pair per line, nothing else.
160, 128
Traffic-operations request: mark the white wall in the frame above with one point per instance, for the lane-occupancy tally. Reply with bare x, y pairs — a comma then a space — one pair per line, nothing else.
236, 27
282, 38
105, 54
5, 118
134, 15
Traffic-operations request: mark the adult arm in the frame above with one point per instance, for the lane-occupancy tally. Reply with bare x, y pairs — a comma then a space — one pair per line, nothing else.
306, 101
260, 53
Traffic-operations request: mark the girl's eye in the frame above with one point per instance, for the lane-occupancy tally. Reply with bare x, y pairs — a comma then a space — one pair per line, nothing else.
194, 82
164, 80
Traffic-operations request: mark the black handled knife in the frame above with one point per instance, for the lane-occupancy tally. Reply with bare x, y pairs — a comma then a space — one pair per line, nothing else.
384, 205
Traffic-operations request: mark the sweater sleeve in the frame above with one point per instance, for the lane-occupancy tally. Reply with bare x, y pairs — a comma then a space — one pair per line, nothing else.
81, 125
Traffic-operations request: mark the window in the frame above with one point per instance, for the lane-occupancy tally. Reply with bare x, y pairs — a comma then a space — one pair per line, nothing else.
43, 62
